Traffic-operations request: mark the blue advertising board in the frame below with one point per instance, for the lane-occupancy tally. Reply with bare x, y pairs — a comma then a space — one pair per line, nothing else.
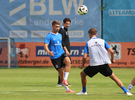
76, 51
119, 20
30, 20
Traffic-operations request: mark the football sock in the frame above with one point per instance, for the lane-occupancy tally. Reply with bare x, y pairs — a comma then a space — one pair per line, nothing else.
129, 87
124, 89
83, 89
66, 75
66, 87
59, 80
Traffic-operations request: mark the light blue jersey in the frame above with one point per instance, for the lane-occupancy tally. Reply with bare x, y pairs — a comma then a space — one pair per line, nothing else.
54, 42
97, 50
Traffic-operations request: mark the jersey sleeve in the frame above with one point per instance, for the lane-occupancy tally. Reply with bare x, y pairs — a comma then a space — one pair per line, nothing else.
47, 39
86, 48
106, 45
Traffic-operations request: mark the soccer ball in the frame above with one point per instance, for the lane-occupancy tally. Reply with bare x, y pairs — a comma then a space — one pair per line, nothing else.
82, 9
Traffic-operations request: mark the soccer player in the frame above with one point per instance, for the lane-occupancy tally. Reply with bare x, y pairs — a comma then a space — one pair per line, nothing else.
99, 60
65, 39
58, 56
131, 84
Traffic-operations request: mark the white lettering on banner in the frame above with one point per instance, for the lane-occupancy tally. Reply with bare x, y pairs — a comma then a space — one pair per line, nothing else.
74, 52
17, 9
122, 12
42, 52
41, 4
67, 7
77, 22
51, 11
41, 22
82, 52
11, 1
22, 21
18, 33
39, 34
49, 22
73, 34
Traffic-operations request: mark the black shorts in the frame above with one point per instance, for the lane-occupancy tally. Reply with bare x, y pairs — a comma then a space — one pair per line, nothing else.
58, 63
93, 70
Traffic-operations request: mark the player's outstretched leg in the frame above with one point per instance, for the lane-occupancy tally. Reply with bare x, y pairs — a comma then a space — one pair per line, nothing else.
84, 81
119, 83
131, 85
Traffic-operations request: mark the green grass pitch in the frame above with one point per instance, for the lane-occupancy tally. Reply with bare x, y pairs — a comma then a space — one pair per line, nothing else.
40, 84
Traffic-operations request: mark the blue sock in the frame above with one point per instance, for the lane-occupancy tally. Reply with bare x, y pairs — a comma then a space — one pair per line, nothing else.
124, 89
83, 89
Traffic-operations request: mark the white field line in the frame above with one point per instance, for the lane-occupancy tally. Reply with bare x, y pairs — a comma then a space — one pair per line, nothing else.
5, 92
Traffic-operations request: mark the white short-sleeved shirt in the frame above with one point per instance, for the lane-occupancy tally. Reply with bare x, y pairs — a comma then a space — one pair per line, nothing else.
97, 50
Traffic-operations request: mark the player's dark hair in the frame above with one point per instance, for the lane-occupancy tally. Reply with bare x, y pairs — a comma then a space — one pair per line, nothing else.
66, 19
92, 31
55, 22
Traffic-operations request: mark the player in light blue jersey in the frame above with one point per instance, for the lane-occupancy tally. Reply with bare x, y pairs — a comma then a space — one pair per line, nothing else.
99, 60
54, 42
58, 53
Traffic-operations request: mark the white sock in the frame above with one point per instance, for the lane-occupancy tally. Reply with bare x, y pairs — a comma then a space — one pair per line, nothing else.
129, 87
66, 87
66, 75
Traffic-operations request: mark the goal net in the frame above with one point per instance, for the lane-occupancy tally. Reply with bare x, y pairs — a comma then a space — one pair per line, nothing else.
8, 56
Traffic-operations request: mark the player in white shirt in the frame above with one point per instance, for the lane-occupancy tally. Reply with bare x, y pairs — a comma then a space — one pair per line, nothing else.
99, 60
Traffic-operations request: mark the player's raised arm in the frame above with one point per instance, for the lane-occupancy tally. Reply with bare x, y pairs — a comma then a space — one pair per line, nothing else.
109, 49
84, 56
83, 60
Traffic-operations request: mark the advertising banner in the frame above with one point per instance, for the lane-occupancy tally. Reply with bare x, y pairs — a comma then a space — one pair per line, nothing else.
31, 20
119, 20
33, 54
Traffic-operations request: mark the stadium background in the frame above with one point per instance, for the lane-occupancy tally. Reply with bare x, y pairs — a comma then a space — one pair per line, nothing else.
29, 21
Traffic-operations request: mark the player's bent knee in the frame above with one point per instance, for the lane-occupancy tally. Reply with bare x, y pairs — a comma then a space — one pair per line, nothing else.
67, 61
82, 74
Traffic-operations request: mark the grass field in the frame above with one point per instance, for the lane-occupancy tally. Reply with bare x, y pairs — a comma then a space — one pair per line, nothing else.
40, 84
